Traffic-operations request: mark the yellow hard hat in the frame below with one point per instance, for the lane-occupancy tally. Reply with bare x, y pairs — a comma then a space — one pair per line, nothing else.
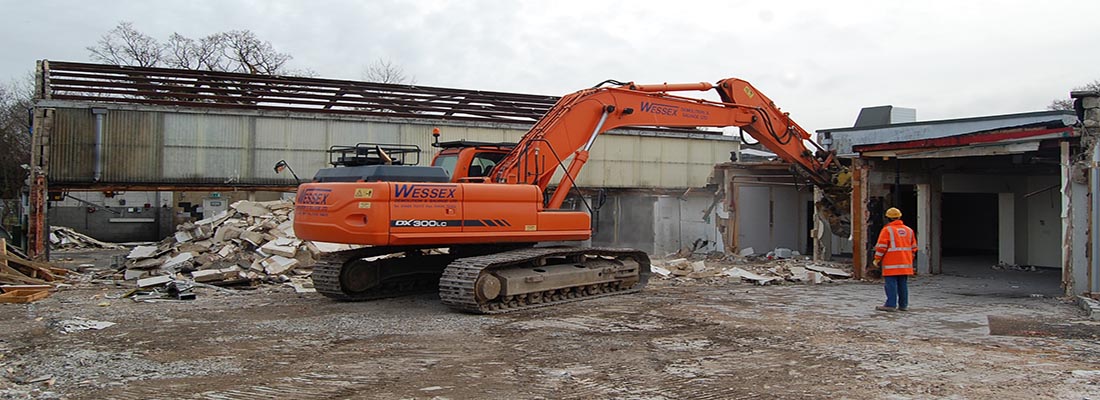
893, 212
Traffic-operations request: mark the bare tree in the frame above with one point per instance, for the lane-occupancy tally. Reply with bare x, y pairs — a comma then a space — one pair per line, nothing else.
1067, 104
233, 51
385, 71
15, 104
124, 45
248, 54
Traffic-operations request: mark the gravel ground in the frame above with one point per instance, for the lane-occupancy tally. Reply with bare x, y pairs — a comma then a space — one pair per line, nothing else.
678, 339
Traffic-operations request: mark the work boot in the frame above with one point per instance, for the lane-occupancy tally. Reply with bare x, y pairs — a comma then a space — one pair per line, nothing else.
885, 308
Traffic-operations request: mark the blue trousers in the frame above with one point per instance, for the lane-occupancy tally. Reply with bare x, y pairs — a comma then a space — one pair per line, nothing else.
897, 291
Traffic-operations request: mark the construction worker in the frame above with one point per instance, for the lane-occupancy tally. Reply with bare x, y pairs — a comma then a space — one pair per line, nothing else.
894, 253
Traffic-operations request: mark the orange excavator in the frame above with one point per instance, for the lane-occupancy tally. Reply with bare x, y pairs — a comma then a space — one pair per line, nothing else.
490, 204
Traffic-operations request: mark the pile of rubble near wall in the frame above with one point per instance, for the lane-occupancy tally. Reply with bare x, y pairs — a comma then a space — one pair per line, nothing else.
251, 242
63, 238
762, 270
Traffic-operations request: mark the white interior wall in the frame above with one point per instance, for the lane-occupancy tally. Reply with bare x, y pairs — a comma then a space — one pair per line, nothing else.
679, 223
1044, 222
772, 216
1036, 237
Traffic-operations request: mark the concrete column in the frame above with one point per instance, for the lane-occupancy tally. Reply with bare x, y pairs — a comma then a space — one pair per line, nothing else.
1006, 228
1079, 236
935, 242
924, 228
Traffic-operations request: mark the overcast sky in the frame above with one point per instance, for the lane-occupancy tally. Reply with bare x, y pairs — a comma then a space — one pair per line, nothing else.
819, 60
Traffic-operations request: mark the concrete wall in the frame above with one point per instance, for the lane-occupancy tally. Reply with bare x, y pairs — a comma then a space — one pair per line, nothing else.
168, 208
159, 144
1044, 223
772, 216
658, 224
131, 224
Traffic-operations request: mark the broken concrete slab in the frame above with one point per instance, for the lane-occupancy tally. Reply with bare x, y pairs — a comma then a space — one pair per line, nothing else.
183, 236
799, 274
250, 208
207, 275
750, 276
273, 248
149, 263
698, 266
228, 250
180, 260
213, 220
275, 265
326, 247
224, 233
142, 252
829, 271
154, 281
132, 274
80, 324
660, 271
256, 238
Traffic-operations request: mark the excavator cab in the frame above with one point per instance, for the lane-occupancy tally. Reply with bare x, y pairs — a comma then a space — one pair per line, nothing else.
467, 161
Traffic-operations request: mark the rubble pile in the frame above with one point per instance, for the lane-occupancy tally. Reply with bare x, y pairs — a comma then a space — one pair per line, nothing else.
762, 270
66, 238
251, 242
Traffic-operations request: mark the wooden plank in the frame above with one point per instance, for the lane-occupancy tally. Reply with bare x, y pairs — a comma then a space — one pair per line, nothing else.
23, 296
10, 275
3, 251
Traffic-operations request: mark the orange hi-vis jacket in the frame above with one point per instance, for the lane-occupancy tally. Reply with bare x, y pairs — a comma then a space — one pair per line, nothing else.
896, 247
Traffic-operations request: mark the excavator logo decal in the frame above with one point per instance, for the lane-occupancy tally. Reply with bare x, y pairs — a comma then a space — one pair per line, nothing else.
432, 223
661, 109
314, 196
425, 192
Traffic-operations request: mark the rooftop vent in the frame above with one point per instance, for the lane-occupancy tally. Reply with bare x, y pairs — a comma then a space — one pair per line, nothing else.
885, 115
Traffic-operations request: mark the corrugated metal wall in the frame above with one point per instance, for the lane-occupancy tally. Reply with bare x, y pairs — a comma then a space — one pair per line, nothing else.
177, 147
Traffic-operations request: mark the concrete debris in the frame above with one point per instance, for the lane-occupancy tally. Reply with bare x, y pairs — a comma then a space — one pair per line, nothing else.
1091, 307
835, 272
748, 251
301, 286
736, 272
183, 236
153, 281
1011, 267
249, 243
757, 270
66, 238
214, 275
143, 252
80, 324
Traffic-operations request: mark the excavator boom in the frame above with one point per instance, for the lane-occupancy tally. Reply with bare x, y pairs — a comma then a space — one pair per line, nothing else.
570, 127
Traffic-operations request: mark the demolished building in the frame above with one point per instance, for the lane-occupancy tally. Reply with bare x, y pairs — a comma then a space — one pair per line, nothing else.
984, 192
131, 152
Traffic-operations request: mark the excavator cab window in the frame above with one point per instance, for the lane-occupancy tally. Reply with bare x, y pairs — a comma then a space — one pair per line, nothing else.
484, 162
448, 162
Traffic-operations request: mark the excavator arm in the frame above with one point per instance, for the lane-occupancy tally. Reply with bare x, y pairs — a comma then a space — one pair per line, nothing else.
572, 125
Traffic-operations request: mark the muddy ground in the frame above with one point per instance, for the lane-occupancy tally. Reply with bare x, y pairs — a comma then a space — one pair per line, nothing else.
708, 339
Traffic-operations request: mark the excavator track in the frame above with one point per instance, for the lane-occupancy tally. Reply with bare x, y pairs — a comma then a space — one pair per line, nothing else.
458, 287
331, 279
